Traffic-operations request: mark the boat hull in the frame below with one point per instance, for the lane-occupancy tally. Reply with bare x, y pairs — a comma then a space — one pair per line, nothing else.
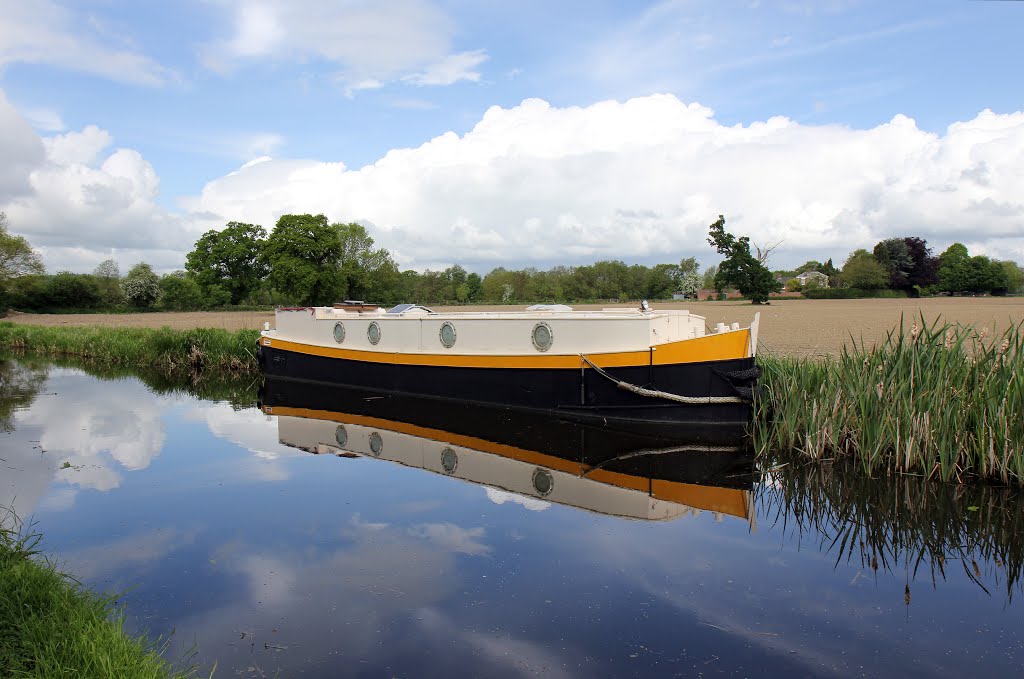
582, 394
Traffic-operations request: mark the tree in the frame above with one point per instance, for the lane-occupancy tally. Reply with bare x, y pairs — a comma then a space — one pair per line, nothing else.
708, 279
953, 270
108, 280
740, 269
304, 254
809, 265
141, 286
180, 292
17, 258
909, 262
231, 258
1014, 277
863, 271
68, 290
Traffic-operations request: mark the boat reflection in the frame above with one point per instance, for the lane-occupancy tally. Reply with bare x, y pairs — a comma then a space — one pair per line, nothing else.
648, 474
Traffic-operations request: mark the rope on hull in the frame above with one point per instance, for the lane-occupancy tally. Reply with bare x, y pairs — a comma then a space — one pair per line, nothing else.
654, 393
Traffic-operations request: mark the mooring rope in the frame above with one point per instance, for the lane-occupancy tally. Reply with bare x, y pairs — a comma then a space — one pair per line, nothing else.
654, 393
688, 448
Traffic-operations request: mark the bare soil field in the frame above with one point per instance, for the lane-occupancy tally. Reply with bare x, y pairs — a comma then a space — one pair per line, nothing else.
788, 327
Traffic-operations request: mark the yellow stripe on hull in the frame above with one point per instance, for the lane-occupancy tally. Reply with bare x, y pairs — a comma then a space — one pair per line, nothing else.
717, 347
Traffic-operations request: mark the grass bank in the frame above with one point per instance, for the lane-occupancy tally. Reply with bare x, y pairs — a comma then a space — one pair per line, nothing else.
166, 351
51, 626
942, 401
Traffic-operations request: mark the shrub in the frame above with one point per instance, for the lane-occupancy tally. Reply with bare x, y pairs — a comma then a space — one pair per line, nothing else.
852, 293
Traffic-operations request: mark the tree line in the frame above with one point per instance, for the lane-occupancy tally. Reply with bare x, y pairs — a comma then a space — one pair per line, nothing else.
307, 260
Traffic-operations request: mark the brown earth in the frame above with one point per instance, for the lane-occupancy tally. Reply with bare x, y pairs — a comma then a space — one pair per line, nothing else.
795, 327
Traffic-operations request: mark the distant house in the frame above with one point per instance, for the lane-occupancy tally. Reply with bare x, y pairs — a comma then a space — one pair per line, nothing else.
818, 278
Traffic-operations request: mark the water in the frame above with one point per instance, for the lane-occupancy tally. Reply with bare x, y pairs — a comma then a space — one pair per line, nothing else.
271, 559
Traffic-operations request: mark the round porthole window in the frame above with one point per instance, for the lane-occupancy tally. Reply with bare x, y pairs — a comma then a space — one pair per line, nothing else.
449, 460
373, 333
542, 336
339, 333
543, 482
376, 444
340, 435
447, 335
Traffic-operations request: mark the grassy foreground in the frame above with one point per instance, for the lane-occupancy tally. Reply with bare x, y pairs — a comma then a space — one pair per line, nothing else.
50, 626
166, 351
939, 400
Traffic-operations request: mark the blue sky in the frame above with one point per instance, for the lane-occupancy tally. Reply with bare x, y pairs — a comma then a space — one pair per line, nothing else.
192, 91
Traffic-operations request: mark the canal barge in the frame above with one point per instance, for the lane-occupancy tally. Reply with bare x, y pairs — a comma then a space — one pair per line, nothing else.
626, 364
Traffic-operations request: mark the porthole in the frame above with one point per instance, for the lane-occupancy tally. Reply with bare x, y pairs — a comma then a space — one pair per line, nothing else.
339, 333
447, 335
449, 460
340, 435
543, 482
376, 444
542, 336
373, 333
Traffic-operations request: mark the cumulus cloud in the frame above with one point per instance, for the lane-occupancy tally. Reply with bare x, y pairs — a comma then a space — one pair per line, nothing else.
42, 32
369, 43
80, 201
643, 179
537, 185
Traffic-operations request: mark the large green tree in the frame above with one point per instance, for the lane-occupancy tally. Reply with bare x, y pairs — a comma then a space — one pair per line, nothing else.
231, 258
304, 253
863, 271
367, 273
909, 262
740, 269
17, 258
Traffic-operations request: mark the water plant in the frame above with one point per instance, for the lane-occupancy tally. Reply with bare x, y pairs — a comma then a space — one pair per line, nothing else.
51, 626
939, 400
164, 350
900, 524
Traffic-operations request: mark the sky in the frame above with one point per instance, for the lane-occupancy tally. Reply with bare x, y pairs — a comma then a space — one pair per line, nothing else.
513, 134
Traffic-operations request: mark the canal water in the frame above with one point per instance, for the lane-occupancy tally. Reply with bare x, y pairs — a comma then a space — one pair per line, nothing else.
366, 537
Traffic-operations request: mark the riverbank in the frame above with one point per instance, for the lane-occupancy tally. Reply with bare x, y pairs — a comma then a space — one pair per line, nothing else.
163, 350
51, 626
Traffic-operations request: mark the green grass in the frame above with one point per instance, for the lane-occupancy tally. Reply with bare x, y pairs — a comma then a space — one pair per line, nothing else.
940, 400
52, 627
163, 350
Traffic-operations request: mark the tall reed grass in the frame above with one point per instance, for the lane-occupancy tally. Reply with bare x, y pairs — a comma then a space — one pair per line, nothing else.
940, 400
901, 524
167, 351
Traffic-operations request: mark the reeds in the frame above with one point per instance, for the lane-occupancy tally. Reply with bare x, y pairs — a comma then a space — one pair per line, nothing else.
900, 524
942, 401
169, 352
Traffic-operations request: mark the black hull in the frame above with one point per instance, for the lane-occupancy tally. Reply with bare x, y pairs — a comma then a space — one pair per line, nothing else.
707, 454
582, 395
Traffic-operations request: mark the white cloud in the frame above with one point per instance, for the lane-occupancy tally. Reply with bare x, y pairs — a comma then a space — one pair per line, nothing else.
451, 69
369, 42
537, 184
500, 497
42, 32
44, 119
453, 538
643, 179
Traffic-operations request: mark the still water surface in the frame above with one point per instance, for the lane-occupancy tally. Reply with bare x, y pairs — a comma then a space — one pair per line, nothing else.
271, 559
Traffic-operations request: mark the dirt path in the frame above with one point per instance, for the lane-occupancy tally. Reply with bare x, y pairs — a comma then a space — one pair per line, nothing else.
795, 327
